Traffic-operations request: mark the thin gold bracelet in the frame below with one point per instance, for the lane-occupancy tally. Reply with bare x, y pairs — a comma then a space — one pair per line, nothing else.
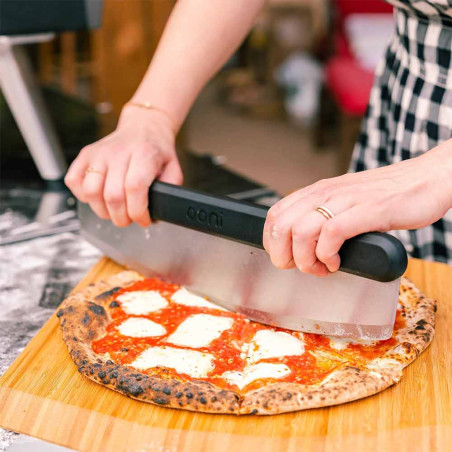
149, 106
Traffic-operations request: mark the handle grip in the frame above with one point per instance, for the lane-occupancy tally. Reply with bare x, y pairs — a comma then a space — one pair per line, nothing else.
373, 255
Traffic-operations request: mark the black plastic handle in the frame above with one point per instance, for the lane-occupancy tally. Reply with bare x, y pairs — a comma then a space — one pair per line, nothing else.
373, 255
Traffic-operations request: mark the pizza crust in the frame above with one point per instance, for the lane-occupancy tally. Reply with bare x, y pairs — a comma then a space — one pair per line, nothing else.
84, 318
352, 383
420, 324
341, 386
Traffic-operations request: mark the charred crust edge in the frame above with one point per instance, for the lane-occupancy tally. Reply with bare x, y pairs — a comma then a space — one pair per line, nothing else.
346, 384
87, 321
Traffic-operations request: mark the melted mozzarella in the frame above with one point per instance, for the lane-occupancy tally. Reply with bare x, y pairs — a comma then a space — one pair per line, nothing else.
256, 372
199, 330
340, 343
141, 302
183, 296
272, 344
190, 362
139, 327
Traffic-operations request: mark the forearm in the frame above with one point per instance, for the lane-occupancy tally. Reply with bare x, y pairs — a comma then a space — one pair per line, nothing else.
199, 38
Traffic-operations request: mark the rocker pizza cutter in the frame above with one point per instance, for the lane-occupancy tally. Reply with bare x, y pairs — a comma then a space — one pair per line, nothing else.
213, 246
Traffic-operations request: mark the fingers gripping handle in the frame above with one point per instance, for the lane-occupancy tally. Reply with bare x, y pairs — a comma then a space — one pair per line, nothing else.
373, 255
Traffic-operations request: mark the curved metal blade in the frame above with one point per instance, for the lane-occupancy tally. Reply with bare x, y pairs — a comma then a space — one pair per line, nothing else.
242, 278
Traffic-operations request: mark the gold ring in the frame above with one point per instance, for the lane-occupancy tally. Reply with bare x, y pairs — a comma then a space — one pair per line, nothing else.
90, 169
327, 213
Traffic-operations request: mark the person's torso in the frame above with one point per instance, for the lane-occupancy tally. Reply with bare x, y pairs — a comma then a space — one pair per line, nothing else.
423, 39
439, 9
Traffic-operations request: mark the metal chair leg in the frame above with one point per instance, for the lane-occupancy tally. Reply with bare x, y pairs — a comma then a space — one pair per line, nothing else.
27, 106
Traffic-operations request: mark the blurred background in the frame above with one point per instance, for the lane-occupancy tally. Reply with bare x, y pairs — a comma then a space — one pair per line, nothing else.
284, 111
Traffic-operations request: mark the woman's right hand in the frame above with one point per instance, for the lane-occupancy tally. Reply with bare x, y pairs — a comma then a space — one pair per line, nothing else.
114, 174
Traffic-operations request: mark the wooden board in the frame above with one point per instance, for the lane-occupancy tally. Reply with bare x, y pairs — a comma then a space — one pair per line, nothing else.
43, 395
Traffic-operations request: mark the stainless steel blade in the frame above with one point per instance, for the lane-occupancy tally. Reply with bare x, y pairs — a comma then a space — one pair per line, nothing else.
242, 278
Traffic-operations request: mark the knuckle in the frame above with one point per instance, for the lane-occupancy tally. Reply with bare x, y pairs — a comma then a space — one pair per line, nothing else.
135, 184
69, 179
299, 234
92, 192
86, 150
156, 157
273, 212
114, 198
323, 255
332, 228
279, 228
319, 187
346, 192
320, 183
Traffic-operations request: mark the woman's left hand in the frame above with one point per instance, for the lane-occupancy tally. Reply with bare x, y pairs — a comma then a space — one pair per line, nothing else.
407, 195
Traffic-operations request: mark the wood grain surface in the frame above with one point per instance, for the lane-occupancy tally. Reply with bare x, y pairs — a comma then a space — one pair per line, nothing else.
43, 395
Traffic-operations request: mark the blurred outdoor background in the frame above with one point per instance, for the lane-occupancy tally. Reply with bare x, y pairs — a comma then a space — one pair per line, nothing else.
285, 110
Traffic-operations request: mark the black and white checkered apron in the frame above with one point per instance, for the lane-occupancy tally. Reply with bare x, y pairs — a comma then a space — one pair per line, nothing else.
410, 107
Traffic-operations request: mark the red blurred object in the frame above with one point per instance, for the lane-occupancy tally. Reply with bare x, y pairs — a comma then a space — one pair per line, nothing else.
346, 79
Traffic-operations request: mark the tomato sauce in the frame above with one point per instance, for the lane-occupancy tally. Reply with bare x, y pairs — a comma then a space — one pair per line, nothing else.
318, 360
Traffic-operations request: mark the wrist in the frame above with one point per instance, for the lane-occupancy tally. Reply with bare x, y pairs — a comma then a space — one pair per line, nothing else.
133, 114
166, 94
148, 106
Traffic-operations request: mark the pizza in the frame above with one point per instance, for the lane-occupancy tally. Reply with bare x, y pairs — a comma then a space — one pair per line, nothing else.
160, 343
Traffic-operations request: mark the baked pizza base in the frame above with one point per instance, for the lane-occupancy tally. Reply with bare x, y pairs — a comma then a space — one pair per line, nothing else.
84, 317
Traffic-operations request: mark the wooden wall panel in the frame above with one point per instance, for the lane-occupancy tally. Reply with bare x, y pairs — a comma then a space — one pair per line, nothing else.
69, 63
123, 47
46, 61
